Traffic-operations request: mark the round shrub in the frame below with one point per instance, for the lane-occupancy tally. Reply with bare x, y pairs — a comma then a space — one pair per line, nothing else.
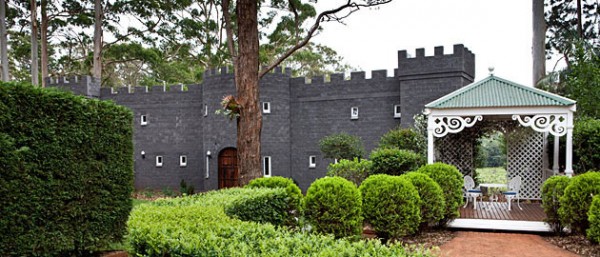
355, 170
403, 138
552, 190
433, 203
451, 182
333, 205
341, 146
576, 201
391, 205
593, 233
288, 184
393, 161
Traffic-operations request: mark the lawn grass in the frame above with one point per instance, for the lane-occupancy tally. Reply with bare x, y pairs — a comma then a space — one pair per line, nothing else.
496, 175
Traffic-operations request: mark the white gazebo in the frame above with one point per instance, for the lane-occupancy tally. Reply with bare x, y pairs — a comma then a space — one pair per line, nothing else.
533, 114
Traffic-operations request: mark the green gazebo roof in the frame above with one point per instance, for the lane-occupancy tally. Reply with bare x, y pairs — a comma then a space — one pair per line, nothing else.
497, 92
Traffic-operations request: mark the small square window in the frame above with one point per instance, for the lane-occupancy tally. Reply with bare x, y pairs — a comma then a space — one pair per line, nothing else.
312, 161
397, 111
266, 106
354, 113
267, 166
159, 161
182, 160
143, 120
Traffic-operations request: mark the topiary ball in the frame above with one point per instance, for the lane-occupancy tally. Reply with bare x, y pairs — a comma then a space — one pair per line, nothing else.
451, 182
393, 161
593, 233
433, 203
552, 190
280, 182
576, 201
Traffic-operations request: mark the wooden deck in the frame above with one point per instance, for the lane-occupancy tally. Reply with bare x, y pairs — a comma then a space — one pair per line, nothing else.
496, 216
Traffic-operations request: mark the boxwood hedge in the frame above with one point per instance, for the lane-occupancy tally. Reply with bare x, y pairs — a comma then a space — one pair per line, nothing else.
451, 182
197, 226
552, 190
275, 207
593, 233
433, 203
575, 202
66, 172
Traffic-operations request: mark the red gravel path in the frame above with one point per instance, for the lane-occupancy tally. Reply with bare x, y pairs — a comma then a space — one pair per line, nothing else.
475, 244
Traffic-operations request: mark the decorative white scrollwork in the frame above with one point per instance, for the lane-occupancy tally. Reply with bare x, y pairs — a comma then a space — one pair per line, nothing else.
452, 124
556, 124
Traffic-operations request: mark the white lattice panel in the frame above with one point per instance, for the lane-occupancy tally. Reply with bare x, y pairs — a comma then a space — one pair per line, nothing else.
525, 158
457, 150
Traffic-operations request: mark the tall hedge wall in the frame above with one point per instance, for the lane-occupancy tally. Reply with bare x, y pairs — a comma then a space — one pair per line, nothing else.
66, 171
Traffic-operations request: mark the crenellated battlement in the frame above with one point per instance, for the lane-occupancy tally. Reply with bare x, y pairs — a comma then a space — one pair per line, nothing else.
336, 78
460, 63
215, 72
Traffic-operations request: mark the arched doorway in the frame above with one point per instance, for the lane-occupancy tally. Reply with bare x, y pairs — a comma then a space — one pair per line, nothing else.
228, 169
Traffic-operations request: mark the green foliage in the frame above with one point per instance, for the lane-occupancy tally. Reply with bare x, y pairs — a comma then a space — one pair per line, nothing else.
393, 161
273, 206
401, 138
294, 194
576, 201
186, 189
552, 190
593, 233
586, 145
355, 170
197, 226
491, 151
495, 175
341, 146
391, 205
67, 172
333, 205
582, 80
433, 203
451, 182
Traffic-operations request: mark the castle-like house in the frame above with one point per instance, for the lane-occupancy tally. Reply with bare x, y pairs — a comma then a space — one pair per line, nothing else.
178, 136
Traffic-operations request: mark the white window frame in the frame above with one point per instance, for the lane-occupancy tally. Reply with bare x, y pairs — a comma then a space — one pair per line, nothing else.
312, 161
143, 119
267, 166
159, 161
354, 113
266, 107
205, 110
183, 160
397, 111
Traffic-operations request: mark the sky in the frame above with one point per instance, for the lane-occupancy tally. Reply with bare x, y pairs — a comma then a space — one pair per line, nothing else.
498, 32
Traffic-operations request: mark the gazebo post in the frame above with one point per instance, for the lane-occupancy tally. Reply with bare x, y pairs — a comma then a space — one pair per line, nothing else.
569, 150
429, 145
555, 159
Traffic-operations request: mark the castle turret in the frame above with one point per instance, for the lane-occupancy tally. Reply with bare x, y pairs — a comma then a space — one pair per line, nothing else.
80, 85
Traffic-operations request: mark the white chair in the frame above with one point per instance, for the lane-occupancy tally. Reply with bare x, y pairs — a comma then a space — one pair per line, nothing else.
471, 192
514, 186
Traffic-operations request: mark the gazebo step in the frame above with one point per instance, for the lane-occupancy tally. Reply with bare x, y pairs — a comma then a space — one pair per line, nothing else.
507, 225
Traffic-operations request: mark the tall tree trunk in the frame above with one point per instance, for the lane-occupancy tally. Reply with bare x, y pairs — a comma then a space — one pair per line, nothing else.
539, 41
3, 42
579, 20
34, 44
44, 41
97, 62
249, 123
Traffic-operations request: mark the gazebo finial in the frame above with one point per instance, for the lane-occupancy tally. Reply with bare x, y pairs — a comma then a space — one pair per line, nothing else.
491, 69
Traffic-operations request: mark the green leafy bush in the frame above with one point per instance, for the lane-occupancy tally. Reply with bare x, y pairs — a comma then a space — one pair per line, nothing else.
288, 184
67, 172
272, 206
342, 146
451, 182
402, 138
333, 205
355, 170
391, 205
393, 161
433, 203
586, 142
552, 190
197, 226
576, 201
593, 233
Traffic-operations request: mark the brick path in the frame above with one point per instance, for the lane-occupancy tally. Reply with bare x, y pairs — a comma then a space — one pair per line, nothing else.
475, 244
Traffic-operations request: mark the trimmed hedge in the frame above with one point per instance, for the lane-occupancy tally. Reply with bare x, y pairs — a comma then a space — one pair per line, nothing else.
552, 190
391, 205
269, 206
393, 161
451, 182
576, 201
355, 170
290, 187
433, 203
333, 205
593, 233
197, 226
67, 172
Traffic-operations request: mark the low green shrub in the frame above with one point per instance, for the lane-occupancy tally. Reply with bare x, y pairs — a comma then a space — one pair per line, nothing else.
451, 182
197, 226
593, 233
576, 201
391, 205
403, 138
342, 146
272, 206
393, 161
333, 205
433, 203
288, 184
552, 190
355, 170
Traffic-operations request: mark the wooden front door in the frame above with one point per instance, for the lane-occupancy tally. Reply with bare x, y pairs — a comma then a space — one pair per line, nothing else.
228, 169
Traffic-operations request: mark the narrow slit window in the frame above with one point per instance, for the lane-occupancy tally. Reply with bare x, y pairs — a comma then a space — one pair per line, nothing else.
205, 110
397, 111
267, 166
182, 160
143, 120
312, 161
159, 161
266, 107
354, 113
